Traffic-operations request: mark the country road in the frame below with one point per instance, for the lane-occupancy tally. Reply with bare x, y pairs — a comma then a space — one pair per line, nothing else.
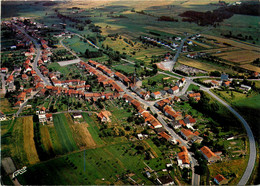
252, 145
38, 48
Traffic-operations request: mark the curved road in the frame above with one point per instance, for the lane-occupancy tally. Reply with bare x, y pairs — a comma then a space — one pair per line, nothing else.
252, 155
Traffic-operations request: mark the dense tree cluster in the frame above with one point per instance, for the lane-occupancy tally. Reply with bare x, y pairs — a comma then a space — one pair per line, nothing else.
206, 18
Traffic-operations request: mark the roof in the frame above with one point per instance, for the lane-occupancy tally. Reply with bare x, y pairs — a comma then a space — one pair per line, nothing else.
165, 135
48, 115
175, 88
105, 114
207, 152
184, 157
194, 95
187, 132
157, 93
220, 178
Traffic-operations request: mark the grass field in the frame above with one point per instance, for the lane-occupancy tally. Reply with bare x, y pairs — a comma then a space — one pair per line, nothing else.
76, 44
191, 87
80, 133
64, 133
46, 139
28, 139
93, 129
227, 168
159, 79
102, 166
239, 57
6, 106
202, 65
19, 142
126, 68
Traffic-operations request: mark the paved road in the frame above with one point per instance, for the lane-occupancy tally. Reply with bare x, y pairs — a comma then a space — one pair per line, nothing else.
38, 48
3, 83
252, 146
85, 39
24, 103
73, 53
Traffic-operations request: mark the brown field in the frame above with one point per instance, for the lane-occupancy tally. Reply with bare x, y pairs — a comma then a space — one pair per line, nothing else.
213, 51
200, 44
151, 149
29, 145
6, 106
251, 67
45, 138
81, 134
233, 43
240, 57
226, 167
201, 65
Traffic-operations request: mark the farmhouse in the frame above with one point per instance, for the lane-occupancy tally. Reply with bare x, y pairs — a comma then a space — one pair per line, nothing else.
196, 96
76, 115
220, 180
156, 95
209, 155
165, 180
104, 116
245, 88
174, 90
183, 158
2, 116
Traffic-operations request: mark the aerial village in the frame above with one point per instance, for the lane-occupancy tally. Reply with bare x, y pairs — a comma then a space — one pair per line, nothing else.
36, 80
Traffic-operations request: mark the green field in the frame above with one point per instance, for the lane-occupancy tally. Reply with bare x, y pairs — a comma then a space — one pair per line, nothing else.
156, 83
193, 87
64, 133
93, 129
102, 166
79, 46
125, 68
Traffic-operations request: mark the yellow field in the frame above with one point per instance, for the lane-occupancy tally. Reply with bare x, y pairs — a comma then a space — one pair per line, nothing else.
231, 166
240, 57
109, 28
202, 66
46, 139
81, 134
233, 43
250, 67
6, 106
212, 51
29, 145
200, 44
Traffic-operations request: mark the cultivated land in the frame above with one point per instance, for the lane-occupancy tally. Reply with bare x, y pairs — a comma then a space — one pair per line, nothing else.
88, 151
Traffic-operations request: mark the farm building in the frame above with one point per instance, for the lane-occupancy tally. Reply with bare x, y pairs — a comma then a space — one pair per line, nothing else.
104, 116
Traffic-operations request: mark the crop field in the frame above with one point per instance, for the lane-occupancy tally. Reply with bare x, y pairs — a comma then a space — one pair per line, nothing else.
81, 134
126, 68
6, 106
76, 44
236, 166
102, 166
64, 133
202, 65
46, 139
93, 128
239, 57
159, 80
251, 67
28, 139
19, 140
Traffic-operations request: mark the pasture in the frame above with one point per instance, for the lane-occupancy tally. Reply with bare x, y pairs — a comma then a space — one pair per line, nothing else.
64, 133
78, 45
158, 82
103, 165
239, 57
18, 141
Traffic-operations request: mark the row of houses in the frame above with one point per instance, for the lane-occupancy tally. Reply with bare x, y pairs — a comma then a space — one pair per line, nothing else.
149, 118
